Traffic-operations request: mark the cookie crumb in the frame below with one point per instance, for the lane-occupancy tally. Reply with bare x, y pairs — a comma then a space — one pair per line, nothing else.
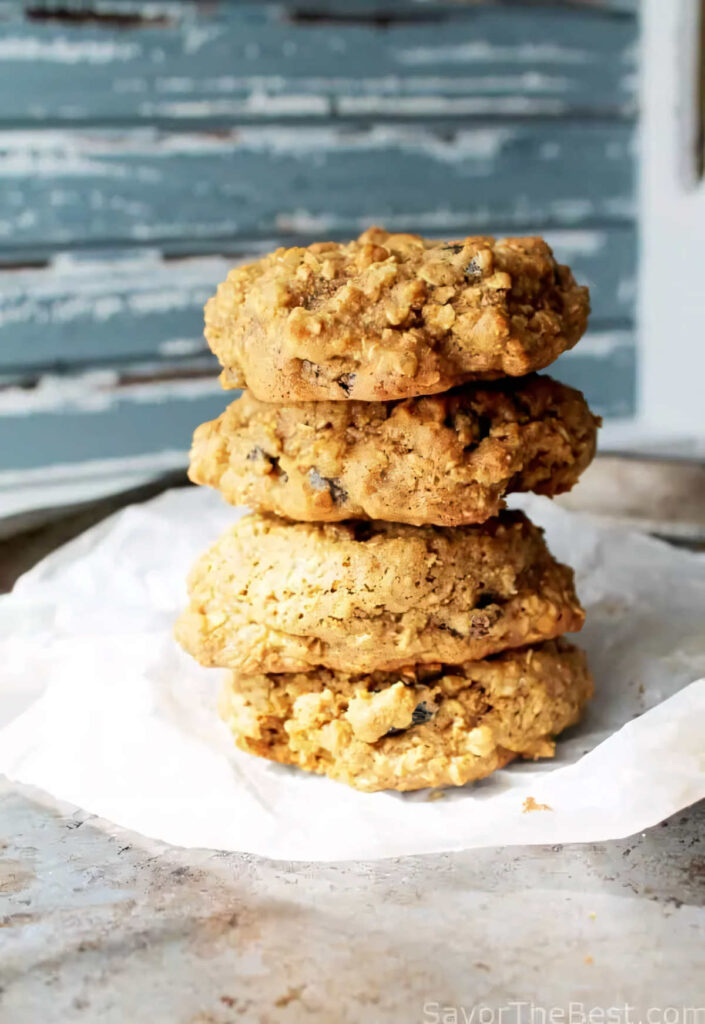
531, 805
290, 996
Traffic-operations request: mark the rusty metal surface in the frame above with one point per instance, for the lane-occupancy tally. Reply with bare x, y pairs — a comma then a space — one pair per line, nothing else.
665, 496
99, 925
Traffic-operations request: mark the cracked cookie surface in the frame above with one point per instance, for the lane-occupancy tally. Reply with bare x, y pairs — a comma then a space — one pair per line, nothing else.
277, 596
392, 316
444, 459
436, 725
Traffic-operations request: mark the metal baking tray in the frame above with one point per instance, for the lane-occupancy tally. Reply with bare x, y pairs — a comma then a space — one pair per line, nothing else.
660, 495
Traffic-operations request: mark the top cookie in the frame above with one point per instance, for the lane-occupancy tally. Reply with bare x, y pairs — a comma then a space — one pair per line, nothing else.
392, 316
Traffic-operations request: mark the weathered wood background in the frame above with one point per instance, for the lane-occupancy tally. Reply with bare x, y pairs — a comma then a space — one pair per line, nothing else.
145, 147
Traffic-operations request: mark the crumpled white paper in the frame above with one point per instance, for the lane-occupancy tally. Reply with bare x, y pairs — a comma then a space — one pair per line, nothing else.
100, 708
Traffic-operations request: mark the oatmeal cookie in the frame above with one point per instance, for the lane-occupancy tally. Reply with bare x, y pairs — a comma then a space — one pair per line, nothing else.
432, 725
445, 459
276, 596
392, 316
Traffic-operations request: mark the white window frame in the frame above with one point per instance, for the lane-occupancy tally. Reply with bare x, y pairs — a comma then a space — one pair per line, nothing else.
671, 298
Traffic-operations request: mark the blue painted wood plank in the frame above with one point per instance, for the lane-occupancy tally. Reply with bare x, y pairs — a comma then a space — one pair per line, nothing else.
330, 10
105, 308
59, 188
604, 367
109, 307
185, 62
333, 11
70, 420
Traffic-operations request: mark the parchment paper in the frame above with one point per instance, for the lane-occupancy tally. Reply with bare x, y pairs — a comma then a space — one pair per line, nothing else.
99, 707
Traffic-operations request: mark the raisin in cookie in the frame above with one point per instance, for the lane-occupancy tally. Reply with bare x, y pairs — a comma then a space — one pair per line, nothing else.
445, 459
275, 596
433, 725
392, 316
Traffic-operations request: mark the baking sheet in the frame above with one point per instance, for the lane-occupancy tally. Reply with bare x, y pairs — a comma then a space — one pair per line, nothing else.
100, 708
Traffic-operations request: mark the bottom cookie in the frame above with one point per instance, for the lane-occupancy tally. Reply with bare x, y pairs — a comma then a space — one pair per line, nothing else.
429, 725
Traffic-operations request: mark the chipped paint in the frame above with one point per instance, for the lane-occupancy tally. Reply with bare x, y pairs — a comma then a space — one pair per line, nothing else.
601, 345
62, 50
97, 391
480, 50
584, 57
67, 472
180, 347
256, 104
98, 308
72, 483
447, 106
147, 186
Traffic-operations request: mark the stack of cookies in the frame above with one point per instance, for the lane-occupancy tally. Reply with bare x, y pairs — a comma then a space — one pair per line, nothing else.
384, 621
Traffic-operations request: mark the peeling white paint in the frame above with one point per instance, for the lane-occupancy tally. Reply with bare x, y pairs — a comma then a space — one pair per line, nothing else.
61, 50
627, 290
98, 288
100, 309
388, 84
142, 268
448, 105
165, 301
98, 304
617, 206
518, 83
578, 243
304, 223
20, 499
92, 468
572, 210
52, 153
257, 104
482, 51
480, 143
74, 483
181, 347
182, 84
197, 36
97, 391
91, 392
601, 344
113, 155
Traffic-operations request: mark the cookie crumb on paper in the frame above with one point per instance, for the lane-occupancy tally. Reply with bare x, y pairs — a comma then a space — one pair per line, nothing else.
531, 805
